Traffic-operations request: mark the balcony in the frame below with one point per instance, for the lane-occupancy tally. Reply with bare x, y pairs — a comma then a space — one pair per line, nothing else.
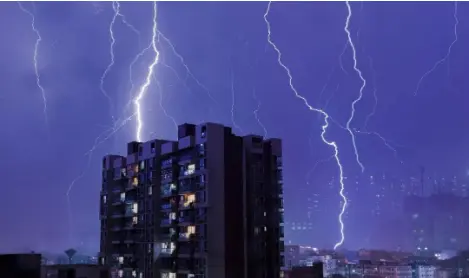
186, 220
168, 190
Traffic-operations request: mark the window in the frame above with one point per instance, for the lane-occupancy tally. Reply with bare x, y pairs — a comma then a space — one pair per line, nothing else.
104, 199
134, 220
135, 208
203, 132
188, 199
202, 164
150, 190
134, 181
189, 170
142, 165
191, 230
121, 260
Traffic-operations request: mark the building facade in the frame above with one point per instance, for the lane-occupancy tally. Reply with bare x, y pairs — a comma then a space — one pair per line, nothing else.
207, 205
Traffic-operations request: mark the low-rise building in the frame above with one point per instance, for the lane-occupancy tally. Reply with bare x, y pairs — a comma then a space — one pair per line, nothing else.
74, 271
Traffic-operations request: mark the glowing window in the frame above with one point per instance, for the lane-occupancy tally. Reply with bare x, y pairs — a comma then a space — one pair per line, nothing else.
121, 260
190, 230
120, 273
123, 196
190, 169
104, 199
150, 190
135, 181
134, 220
172, 216
142, 165
188, 199
134, 207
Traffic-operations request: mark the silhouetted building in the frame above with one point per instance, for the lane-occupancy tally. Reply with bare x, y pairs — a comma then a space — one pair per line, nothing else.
315, 271
75, 271
207, 205
20, 265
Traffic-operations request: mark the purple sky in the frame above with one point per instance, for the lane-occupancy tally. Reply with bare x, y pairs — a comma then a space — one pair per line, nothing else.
218, 40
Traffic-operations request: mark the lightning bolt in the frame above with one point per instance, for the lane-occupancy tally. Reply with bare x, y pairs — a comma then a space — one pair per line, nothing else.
324, 127
448, 53
36, 50
162, 106
103, 137
184, 64
115, 7
358, 71
132, 85
256, 113
235, 125
341, 56
147, 83
385, 142
375, 97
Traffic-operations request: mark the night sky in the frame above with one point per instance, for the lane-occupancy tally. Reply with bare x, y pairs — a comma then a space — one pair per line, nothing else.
224, 45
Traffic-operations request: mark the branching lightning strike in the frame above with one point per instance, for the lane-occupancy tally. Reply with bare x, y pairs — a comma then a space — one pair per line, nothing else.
324, 126
36, 50
165, 112
115, 7
188, 71
233, 102
358, 71
448, 53
256, 113
375, 97
151, 69
103, 137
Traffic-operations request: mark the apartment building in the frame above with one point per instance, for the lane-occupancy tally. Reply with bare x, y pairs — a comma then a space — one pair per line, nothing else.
207, 205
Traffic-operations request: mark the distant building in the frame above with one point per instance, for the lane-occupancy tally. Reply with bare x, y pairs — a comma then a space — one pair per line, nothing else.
437, 222
20, 265
75, 271
207, 205
292, 256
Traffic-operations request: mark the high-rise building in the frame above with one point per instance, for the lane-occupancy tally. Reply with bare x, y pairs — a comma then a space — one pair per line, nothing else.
207, 205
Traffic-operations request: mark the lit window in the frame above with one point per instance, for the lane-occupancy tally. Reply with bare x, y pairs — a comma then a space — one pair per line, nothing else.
120, 273
134, 273
172, 216
134, 207
150, 190
190, 230
188, 199
134, 220
135, 181
122, 196
136, 168
121, 260
190, 170
104, 199
142, 165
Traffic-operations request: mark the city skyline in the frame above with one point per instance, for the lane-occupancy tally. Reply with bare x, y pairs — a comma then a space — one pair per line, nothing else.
232, 78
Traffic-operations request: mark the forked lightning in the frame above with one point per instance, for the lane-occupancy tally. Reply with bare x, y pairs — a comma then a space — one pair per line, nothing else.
324, 126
